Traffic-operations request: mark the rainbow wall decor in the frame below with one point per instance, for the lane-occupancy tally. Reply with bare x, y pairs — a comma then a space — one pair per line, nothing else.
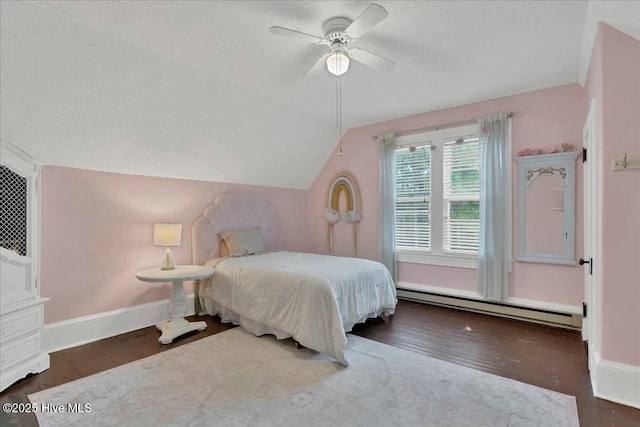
343, 185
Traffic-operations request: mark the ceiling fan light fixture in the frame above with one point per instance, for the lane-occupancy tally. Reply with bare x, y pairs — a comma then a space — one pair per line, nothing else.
337, 63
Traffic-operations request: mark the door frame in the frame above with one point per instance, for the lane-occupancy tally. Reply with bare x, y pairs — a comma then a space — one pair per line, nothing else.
591, 250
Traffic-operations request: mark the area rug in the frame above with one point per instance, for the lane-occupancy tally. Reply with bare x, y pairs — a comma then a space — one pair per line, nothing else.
237, 379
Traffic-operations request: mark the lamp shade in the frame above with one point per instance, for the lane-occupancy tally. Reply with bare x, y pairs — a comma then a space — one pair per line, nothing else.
337, 63
165, 234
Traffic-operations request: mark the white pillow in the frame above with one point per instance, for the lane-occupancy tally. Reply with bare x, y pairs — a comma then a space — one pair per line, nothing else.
245, 241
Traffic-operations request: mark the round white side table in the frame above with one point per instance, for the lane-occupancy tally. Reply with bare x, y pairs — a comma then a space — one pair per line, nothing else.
177, 324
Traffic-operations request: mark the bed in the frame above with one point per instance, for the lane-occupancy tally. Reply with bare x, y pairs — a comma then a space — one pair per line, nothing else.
314, 299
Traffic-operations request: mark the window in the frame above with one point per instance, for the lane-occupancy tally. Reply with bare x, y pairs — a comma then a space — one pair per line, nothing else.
438, 197
413, 197
461, 195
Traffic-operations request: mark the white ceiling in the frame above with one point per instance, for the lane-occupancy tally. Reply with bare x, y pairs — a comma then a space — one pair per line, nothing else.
202, 90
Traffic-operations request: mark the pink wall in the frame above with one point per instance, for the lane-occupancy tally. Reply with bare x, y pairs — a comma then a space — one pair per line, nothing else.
614, 80
97, 230
542, 119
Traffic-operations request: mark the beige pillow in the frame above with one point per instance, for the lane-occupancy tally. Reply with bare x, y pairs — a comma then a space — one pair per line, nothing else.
245, 241
222, 246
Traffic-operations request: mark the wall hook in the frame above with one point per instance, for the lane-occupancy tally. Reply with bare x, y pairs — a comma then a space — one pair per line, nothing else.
626, 164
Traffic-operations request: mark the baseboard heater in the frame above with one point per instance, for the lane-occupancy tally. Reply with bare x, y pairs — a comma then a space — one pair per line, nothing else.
542, 316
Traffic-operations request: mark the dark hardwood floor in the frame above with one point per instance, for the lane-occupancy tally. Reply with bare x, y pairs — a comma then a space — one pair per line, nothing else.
543, 356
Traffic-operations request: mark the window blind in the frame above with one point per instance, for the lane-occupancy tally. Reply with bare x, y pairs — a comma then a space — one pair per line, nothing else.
461, 195
413, 197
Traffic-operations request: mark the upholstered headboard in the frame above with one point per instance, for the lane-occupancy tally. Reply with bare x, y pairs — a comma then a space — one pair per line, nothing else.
232, 211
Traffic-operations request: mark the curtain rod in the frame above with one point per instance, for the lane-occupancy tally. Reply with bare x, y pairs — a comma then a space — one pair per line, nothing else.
437, 127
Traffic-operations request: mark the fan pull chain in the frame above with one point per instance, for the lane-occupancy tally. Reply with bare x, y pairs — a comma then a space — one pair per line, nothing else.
339, 108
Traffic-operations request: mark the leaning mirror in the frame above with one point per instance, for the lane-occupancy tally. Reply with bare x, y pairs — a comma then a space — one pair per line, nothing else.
546, 208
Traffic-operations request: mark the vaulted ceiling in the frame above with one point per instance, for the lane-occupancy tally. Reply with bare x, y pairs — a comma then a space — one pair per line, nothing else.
202, 90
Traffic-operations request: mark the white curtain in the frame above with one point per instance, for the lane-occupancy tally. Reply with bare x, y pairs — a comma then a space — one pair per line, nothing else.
494, 252
387, 203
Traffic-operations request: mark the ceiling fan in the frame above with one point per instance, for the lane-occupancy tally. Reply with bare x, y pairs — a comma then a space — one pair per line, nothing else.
339, 33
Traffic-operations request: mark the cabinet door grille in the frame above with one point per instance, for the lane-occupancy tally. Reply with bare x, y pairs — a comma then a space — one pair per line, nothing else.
13, 211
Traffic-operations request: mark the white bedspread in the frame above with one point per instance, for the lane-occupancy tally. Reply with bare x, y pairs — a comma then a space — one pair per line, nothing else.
312, 298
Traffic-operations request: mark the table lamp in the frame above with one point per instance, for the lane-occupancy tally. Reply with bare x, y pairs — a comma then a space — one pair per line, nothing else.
165, 234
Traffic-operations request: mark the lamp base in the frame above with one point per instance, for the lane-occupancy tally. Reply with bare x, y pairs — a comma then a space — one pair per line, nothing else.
168, 262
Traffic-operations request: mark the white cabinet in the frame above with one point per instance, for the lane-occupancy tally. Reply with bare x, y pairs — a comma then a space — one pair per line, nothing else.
21, 307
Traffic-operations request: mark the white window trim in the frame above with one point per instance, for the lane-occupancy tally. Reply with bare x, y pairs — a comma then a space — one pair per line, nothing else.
436, 256
445, 260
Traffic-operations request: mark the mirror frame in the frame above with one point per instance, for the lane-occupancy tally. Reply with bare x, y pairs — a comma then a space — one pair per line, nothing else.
563, 167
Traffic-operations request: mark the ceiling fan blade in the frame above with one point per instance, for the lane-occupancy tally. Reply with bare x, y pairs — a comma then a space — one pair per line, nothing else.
368, 19
371, 60
319, 67
281, 31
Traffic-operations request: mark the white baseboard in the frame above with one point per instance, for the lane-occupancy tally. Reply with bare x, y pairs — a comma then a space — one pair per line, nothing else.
517, 308
617, 382
82, 330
